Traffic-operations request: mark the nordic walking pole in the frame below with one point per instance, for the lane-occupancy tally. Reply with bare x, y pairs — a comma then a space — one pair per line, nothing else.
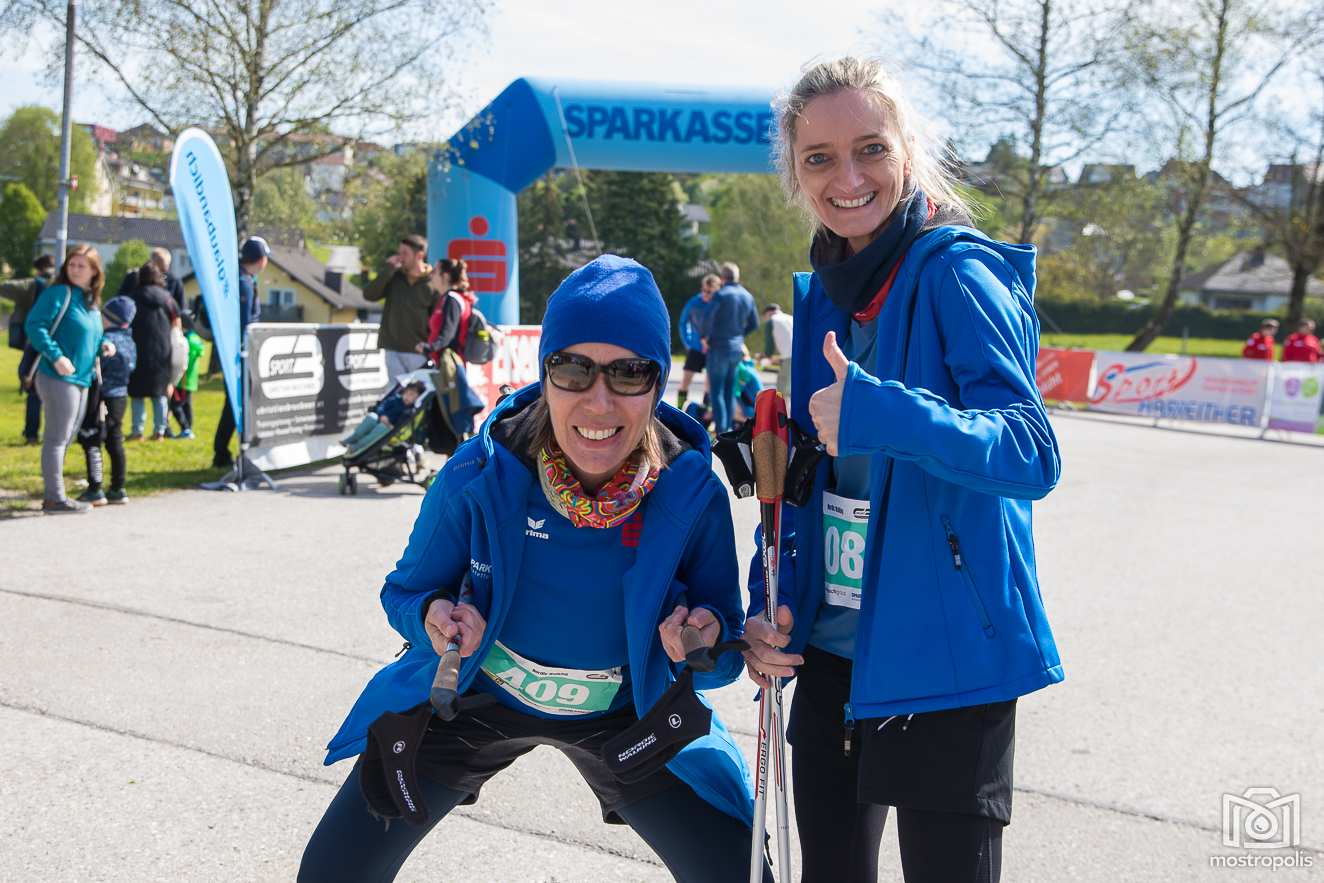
769, 451
444, 697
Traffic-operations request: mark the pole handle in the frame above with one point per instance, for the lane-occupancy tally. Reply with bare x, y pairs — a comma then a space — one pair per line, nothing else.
769, 448
444, 697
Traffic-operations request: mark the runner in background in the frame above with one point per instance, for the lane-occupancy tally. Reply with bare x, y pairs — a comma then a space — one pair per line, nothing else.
777, 329
1260, 344
912, 609
691, 334
731, 316
582, 523
1302, 345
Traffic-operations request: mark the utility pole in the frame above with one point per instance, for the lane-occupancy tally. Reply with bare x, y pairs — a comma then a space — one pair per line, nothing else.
66, 131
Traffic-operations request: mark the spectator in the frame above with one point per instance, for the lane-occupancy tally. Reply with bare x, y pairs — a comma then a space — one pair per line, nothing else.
181, 403
113, 391
384, 416
691, 320
777, 330
446, 323
406, 286
161, 258
151, 379
253, 255
1302, 345
731, 316
64, 326
24, 293
1260, 344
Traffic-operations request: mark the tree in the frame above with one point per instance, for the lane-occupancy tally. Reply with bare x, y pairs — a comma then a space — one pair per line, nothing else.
638, 216
1053, 82
754, 226
21, 217
281, 200
273, 77
130, 256
1207, 69
30, 153
544, 247
389, 200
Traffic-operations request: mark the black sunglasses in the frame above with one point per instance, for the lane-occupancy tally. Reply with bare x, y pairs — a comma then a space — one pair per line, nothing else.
626, 377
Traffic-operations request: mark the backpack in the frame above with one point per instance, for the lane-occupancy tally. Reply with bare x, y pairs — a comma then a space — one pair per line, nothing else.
477, 339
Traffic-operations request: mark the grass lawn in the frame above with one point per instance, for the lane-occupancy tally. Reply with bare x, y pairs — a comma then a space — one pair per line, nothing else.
152, 466
1196, 346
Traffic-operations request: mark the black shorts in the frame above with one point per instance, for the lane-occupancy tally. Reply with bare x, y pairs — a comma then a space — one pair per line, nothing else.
465, 752
695, 360
956, 761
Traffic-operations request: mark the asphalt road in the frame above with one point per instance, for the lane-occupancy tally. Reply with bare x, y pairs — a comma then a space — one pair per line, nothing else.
170, 671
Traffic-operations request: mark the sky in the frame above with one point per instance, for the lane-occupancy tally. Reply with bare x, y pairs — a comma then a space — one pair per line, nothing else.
718, 42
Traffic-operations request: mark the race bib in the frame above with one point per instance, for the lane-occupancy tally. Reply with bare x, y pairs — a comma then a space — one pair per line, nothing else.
563, 691
845, 527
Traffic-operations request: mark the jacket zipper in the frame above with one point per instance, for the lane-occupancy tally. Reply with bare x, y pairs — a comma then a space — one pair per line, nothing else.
848, 733
954, 545
407, 646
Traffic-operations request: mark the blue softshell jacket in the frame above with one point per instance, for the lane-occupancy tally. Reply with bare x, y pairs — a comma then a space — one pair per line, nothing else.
949, 411
691, 321
468, 530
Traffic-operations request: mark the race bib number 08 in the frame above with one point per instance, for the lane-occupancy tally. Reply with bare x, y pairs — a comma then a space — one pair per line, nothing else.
845, 527
562, 691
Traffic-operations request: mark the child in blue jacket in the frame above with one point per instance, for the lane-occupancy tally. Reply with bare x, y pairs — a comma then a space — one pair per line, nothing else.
108, 397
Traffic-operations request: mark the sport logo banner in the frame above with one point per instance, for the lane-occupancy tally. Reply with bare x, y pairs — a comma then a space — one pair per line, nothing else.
1065, 375
1193, 388
1298, 388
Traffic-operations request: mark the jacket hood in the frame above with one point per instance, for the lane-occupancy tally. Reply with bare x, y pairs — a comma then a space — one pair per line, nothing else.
505, 426
1021, 258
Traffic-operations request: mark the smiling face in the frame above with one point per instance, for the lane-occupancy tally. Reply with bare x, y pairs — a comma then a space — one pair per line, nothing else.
597, 429
850, 164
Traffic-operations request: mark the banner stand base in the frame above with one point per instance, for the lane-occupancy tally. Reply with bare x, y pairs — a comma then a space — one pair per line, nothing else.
241, 479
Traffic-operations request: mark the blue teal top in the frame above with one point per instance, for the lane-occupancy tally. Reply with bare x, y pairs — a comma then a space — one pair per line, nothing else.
77, 337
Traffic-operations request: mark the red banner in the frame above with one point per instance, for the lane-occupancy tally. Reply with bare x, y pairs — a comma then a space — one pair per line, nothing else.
1065, 375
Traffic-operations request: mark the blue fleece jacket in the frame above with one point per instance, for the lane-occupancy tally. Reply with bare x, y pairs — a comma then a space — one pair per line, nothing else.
960, 442
468, 530
692, 321
77, 337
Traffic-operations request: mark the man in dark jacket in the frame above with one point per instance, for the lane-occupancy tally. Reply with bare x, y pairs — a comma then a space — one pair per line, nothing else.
253, 255
405, 284
730, 317
24, 292
161, 258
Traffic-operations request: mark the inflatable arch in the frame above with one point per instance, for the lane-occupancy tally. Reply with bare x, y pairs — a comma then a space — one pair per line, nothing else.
535, 125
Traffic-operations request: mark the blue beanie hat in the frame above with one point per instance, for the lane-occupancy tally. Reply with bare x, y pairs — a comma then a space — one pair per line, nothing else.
120, 310
614, 300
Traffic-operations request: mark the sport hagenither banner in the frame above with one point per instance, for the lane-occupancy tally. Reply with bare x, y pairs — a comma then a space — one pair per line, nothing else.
307, 384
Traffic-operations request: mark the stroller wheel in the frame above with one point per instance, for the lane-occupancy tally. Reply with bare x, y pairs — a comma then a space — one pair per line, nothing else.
353, 483
343, 484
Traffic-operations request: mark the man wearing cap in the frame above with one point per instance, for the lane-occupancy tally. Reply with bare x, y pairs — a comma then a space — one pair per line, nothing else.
405, 283
252, 260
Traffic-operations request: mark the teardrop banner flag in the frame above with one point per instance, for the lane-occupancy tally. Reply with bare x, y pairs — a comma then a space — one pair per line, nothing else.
206, 218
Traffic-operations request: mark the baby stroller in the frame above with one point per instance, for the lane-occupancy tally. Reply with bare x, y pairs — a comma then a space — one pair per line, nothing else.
436, 423
395, 454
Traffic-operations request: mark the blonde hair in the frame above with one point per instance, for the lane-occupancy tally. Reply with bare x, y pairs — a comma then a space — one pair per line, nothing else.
931, 162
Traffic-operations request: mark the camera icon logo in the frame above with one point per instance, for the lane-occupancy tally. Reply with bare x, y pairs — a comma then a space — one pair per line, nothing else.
1261, 818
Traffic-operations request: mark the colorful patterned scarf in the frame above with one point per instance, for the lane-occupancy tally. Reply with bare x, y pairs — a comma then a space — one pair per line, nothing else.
614, 503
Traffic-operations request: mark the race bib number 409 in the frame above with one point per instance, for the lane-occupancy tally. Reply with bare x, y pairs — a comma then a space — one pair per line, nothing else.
845, 527
562, 691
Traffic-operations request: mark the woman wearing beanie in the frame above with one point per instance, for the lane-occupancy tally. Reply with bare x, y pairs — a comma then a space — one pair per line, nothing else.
562, 548
912, 611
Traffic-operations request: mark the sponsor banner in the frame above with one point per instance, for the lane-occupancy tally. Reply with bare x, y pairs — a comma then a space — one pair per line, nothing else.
307, 386
1065, 375
201, 189
1298, 389
516, 363
1206, 390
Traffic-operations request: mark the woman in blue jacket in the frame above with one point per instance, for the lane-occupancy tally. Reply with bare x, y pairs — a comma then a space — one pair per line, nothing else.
64, 327
912, 610
564, 547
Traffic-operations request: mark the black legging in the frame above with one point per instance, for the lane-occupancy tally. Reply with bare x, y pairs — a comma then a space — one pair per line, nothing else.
692, 837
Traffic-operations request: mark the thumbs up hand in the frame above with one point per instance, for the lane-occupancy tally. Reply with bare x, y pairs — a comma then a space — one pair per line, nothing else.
825, 405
